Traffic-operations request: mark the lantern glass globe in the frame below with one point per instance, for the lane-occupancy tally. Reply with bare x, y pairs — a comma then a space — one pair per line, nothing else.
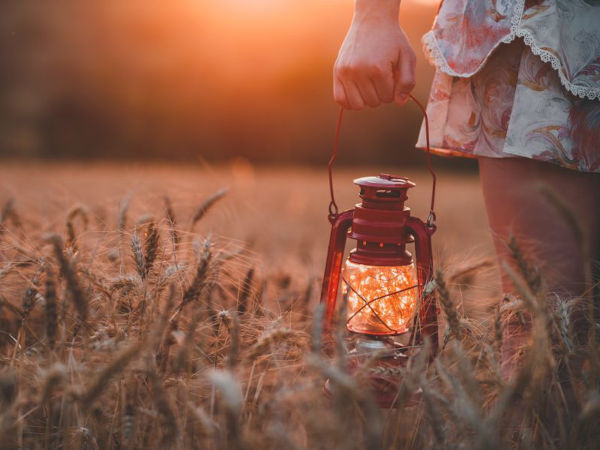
380, 300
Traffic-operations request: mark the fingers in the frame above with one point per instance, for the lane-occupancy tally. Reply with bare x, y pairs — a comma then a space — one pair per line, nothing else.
357, 92
384, 85
405, 77
367, 87
339, 95
353, 96
368, 93
347, 93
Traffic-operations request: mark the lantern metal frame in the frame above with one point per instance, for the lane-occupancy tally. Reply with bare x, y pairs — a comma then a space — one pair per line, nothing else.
382, 226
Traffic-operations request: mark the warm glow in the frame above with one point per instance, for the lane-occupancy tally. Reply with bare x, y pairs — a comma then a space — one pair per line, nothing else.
380, 299
191, 79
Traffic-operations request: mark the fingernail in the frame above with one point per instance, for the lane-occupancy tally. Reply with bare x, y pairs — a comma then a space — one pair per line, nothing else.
401, 99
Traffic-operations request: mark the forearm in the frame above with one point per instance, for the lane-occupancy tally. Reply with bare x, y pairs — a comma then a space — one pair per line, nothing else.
378, 11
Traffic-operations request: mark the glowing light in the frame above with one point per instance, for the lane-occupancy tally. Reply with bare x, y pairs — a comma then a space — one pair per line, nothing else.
380, 299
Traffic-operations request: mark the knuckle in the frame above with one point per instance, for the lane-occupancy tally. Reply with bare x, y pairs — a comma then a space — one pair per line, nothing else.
377, 71
342, 71
355, 69
407, 84
358, 70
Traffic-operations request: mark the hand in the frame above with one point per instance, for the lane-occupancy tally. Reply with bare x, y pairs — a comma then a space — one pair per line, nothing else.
375, 64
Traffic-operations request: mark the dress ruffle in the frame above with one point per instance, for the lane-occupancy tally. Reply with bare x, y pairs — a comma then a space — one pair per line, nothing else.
514, 106
537, 25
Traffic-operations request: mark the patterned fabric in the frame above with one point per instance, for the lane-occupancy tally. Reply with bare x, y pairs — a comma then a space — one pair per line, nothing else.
497, 99
565, 33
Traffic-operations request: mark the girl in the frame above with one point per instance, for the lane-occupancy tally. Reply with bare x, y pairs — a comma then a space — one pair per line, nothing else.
517, 86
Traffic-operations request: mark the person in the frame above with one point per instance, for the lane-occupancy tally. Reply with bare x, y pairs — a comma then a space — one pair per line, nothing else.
517, 86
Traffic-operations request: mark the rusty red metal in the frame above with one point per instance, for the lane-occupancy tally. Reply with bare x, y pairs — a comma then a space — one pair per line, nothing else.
333, 265
427, 326
379, 221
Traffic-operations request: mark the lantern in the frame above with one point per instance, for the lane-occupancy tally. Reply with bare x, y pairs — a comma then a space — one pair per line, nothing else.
383, 287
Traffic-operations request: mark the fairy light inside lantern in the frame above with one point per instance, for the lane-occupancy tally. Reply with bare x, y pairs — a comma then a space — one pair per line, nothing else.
380, 299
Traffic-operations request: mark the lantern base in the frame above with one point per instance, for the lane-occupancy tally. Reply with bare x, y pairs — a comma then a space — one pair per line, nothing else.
389, 356
382, 400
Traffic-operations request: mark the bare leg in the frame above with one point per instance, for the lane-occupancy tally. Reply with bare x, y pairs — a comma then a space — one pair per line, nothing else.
515, 205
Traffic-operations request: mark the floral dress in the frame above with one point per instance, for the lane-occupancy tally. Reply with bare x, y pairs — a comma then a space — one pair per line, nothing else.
516, 78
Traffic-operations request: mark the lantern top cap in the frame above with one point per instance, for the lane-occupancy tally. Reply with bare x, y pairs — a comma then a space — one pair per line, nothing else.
385, 181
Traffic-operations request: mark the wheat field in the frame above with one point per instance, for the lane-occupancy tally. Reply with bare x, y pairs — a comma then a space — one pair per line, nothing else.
157, 306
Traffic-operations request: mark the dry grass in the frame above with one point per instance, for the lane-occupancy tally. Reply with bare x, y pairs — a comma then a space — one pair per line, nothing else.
136, 312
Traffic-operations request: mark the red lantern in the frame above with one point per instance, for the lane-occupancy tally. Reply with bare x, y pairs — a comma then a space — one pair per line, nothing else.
387, 306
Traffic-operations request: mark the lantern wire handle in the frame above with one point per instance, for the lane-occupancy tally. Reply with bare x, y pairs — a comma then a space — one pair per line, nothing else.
431, 219
333, 208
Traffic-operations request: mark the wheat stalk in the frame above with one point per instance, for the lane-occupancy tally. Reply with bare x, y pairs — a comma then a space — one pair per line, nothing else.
163, 404
8, 267
67, 268
101, 379
150, 247
8, 387
122, 217
245, 291
28, 302
138, 254
9, 212
182, 360
53, 378
197, 285
529, 272
171, 218
51, 308
74, 212
498, 330
232, 397
234, 348
449, 308
207, 205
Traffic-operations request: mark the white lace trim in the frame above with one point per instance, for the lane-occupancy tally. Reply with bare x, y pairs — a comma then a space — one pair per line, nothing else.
436, 57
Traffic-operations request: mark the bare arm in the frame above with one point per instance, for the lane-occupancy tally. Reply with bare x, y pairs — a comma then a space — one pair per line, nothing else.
376, 63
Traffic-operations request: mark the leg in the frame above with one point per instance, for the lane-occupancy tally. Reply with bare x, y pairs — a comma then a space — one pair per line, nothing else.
515, 205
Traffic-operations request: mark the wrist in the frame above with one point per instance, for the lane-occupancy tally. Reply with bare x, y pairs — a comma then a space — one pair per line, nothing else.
376, 11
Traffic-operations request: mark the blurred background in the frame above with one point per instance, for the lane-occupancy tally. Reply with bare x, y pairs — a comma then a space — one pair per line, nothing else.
192, 80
